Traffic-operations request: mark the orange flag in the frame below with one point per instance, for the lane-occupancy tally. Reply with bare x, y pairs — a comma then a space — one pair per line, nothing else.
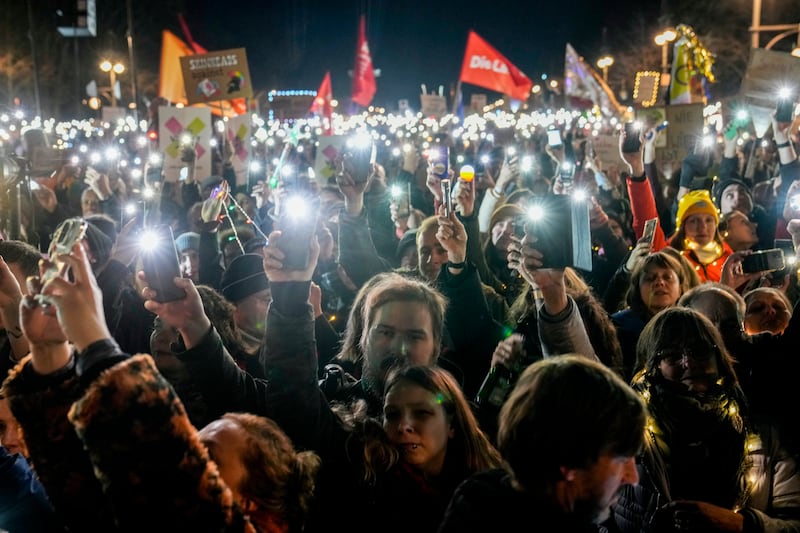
486, 67
322, 104
170, 79
364, 86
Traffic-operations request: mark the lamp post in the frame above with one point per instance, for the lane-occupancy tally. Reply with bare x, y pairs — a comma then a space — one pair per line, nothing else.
113, 69
663, 40
604, 63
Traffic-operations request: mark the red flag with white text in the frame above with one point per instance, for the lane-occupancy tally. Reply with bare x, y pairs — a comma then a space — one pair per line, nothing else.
486, 67
322, 104
364, 85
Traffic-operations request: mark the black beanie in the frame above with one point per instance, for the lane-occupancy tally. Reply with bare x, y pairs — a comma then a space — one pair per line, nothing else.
99, 243
720, 187
243, 277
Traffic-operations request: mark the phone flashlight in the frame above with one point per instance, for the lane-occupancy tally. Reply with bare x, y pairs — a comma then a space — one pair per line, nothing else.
396, 191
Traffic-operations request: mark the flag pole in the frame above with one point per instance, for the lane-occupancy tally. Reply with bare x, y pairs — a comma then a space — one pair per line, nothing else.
456, 98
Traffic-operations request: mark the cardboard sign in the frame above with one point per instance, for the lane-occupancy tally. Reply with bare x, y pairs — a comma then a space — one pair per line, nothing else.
237, 131
214, 76
685, 127
767, 72
606, 149
477, 102
433, 105
651, 118
327, 151
184, 127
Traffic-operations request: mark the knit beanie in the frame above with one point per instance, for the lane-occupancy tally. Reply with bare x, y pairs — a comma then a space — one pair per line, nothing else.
187, 241
693, 203
99, 243
243, 277
505, 211
720, 186
409, 239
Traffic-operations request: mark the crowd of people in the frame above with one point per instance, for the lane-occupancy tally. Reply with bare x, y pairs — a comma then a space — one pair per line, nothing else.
381, 351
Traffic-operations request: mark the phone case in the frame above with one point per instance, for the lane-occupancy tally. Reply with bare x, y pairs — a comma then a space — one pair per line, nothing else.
161, 264
296, 234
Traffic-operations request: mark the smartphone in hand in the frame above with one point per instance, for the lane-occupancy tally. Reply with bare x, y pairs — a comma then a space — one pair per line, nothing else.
632, 142
160, 262
298, 225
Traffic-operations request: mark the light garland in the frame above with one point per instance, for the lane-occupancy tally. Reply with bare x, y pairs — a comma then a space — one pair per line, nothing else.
637, 86
702, 60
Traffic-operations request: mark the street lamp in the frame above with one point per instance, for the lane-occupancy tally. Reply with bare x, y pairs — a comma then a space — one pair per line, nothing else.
663, 40
603, 63
113, 69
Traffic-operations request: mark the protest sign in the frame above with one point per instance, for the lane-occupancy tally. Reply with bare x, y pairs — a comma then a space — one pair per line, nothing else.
221, 75
327, 151
237, 131
685, 127
433, 105
767, 73
179, 128
477, 102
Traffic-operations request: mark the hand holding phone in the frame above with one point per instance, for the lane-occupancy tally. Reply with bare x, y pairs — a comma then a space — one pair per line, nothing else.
68, 234
160, 263
649, 232
763, 261
784, 111
554, 138
632, 142
298, 225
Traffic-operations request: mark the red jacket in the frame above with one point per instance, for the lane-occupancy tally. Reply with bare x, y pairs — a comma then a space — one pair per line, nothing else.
643, 207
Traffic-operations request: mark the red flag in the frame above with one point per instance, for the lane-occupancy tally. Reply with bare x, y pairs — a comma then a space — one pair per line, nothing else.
322, 104
364, 86
486, 67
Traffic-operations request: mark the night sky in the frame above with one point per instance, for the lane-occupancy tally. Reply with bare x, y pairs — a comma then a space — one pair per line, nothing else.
292, 44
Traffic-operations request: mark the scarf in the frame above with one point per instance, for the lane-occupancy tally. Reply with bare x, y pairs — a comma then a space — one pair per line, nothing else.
697, 441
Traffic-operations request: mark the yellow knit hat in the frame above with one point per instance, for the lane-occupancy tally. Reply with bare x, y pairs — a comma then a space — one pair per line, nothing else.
693, 203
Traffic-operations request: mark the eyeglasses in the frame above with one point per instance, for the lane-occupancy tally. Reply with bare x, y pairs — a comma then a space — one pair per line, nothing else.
674, 356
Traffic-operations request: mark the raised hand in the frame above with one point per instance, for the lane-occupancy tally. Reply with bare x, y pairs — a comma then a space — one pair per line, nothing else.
78, 303
452, 236
273, 261
185, 314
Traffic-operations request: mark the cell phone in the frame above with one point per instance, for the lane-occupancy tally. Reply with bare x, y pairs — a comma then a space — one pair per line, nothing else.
789, 257
68, 233
632, 142
440, 162
784, 111
160, 262
649, 232
763, 261
360, 161
297, 230
447, 196
566, 171
401, 196
662, 125
554, 138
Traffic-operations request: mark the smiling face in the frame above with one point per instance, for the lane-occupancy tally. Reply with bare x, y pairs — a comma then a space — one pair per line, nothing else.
692, 363
416, 422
